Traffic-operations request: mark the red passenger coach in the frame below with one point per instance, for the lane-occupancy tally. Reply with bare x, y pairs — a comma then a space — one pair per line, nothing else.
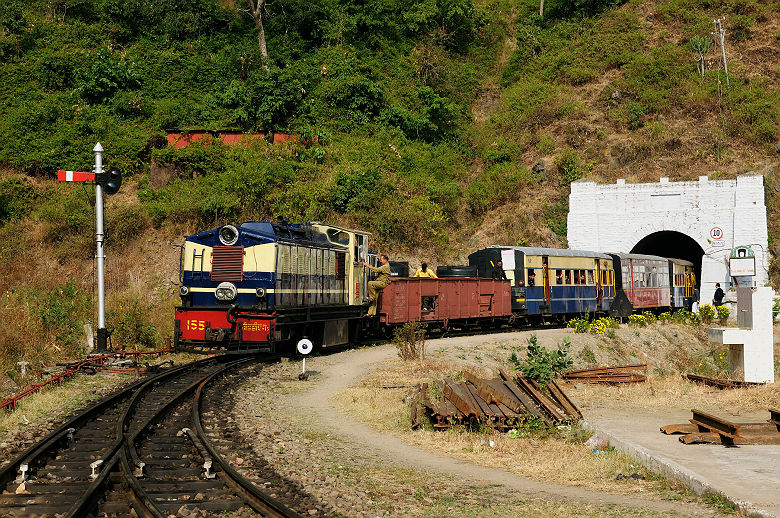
642, 283
448, 300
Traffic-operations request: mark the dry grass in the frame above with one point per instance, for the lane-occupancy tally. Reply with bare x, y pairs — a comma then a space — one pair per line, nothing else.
670, 349
561, 460
57, 402
661, 392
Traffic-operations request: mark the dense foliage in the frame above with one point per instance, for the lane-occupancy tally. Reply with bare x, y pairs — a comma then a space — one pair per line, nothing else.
418, 121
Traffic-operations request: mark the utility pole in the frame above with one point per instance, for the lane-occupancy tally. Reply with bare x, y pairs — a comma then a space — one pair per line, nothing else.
720, 33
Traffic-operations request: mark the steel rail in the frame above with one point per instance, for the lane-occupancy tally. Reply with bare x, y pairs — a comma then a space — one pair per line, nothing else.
144, 504
39, 450
259, 500
92, 495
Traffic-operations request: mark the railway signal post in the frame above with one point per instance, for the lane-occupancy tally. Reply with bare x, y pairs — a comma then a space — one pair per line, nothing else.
109, 183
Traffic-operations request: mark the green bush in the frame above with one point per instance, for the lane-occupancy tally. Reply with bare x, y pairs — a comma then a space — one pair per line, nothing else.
707, 313
570, 166
128, 320
637, 320
62, 312
540, 364
17, 196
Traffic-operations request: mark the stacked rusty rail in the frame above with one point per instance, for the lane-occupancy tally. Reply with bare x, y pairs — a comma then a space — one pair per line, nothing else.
500, 403
721, 383
610, 375
709, 429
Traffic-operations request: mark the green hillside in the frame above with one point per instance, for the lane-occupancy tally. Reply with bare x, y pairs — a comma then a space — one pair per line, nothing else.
420, 122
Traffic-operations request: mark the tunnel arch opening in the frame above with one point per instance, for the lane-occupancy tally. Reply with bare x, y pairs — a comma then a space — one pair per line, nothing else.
673, 245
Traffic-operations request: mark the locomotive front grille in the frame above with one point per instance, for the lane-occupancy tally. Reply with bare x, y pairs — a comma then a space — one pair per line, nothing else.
227, 264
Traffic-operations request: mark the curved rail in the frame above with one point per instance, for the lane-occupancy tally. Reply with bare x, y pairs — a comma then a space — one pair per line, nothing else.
159, 455
72, 470
259, 500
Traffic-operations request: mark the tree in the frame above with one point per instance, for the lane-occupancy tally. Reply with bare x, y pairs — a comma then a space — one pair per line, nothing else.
701, 46
256, 10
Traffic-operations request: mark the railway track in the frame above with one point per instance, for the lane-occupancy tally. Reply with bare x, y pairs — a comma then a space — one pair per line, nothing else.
141, 450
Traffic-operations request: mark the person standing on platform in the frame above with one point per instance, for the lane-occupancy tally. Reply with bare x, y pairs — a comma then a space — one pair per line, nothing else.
381, 282
717, 299
424, 271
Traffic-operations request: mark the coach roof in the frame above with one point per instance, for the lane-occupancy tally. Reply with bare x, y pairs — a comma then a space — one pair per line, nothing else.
558, 252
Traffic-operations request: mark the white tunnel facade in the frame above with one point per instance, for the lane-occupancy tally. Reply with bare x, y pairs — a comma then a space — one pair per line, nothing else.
718, 215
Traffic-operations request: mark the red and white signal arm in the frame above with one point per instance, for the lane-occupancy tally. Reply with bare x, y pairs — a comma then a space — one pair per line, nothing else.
716, 233
75, 176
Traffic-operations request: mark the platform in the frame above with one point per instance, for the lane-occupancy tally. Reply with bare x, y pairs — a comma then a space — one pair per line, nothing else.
748, 476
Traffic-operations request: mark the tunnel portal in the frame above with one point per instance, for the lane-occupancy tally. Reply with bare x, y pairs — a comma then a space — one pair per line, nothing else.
674, 245
700, 221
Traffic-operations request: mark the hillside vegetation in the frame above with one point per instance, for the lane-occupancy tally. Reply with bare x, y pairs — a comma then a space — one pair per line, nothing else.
419, 121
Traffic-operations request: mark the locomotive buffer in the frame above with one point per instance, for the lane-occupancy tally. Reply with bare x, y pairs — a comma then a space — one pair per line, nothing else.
109, 181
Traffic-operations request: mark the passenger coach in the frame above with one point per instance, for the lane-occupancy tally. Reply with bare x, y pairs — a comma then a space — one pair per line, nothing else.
642, 284
551, 282
682, 278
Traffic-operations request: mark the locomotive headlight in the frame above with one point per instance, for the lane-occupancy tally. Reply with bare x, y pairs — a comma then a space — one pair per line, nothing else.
228, 235
184, 291
260, 292
226, 291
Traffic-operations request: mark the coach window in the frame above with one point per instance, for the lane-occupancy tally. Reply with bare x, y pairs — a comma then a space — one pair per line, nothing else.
567, 277
531, 277
558, 276
590, 277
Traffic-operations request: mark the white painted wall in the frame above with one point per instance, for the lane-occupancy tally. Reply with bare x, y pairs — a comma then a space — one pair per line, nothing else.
615, 217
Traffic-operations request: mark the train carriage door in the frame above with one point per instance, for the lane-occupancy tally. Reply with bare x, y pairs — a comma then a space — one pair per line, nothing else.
547, 289
599, 289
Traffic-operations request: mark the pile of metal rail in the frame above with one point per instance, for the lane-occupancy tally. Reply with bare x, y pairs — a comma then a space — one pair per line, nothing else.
721, 383
707, 428
501, 403
610, 375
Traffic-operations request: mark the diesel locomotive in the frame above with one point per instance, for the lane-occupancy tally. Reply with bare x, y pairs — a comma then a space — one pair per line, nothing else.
263, 284
270, 285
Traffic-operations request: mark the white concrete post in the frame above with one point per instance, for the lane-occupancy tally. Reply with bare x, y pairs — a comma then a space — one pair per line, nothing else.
751, 346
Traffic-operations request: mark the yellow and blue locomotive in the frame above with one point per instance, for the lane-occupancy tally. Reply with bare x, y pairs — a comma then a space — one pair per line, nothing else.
261, 284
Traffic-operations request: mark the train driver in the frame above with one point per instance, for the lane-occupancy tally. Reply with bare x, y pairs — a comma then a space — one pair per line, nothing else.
380, 283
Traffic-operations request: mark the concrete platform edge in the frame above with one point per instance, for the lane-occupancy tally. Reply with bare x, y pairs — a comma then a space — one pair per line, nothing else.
673, 471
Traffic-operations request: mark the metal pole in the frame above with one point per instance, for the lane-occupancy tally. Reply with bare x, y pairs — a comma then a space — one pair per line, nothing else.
102, 332
719, 25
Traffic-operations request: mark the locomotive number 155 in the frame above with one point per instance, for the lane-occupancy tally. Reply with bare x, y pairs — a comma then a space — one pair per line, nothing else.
195, 325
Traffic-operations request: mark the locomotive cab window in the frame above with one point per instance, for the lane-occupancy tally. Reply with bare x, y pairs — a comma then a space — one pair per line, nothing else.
338, 236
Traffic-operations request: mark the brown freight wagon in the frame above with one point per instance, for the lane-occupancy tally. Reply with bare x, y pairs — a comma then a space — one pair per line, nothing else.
461, 300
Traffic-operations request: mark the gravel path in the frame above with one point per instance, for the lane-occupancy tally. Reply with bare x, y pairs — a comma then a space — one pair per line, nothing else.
357, 471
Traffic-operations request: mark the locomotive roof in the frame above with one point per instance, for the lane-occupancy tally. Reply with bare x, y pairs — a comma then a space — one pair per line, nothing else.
562, 252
